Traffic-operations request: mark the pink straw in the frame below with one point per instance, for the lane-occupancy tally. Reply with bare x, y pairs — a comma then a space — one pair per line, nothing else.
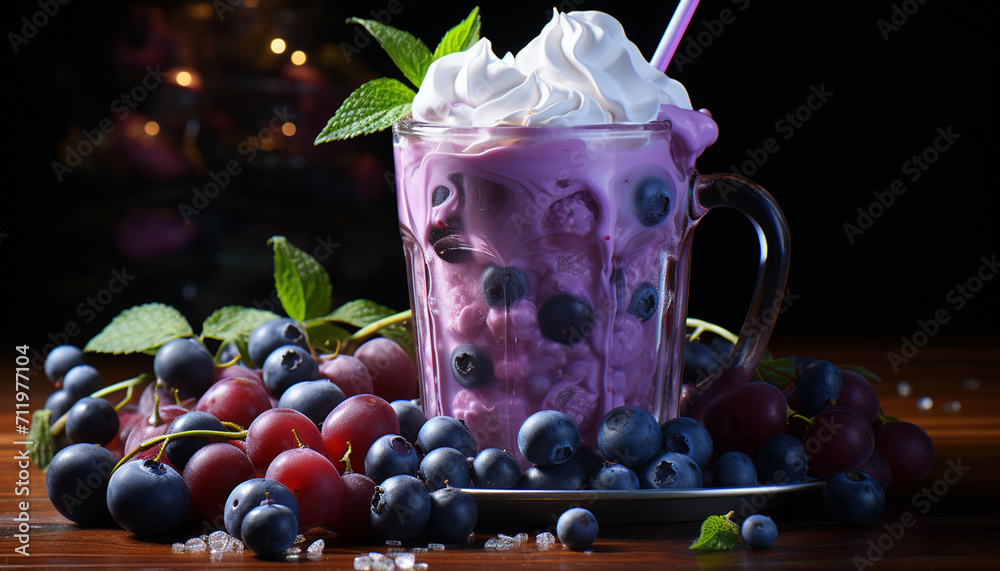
672, 37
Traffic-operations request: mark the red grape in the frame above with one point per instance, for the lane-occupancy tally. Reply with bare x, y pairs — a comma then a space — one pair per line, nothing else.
394, 376
348, 373
144, 431
211, 474
360, 420
240, 372
354, 517
314, 482
857, 394
235, 400
840, 440
878, 468
275, 431
759, 412
908, 450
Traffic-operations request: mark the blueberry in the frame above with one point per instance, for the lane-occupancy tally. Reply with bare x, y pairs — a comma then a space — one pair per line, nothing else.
495, 469
782, 460
186, 365
391, 455
400, 508
450, 243
411, 418
82, 380
439, 195
670, 470
286, 366
249, 495
454, 515
818, 387
652, 200
566, 319
443, 467
566, 476
643, 303
59, 403
147, 497
471, 367
614, 476
734, 470
445, 432
577, 529
548, 437
60, 360
180, 450
272, 334
629, 436
92, 420
314, 399
689, 437
800, 362
759, 531
503, 286
700, 361
853, 498
269, 528
77, 483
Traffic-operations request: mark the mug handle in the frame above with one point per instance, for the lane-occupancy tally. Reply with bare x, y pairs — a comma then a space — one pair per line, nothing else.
733, 191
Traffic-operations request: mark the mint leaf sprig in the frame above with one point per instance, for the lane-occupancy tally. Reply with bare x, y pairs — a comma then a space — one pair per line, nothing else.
718, 533
379, 103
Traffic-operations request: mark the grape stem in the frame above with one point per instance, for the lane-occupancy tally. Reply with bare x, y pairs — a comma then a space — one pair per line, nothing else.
58, 425
805, 419
185, 434
373, 328
700, 326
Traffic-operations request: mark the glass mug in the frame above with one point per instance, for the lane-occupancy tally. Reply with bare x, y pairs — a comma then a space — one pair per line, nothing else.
548, 269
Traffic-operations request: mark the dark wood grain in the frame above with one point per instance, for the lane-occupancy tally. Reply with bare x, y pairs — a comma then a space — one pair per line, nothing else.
954, 522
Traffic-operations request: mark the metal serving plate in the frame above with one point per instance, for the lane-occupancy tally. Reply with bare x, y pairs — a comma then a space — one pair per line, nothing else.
613, 507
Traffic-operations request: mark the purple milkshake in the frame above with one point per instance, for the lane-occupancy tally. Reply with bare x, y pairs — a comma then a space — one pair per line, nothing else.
546, 204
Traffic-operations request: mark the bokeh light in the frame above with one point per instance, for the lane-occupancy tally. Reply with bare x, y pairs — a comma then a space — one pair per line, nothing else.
298, 57
152, 128
288, 129
278, 45
184, 78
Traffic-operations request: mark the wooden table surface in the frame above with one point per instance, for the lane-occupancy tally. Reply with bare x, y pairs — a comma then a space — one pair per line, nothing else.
953, 512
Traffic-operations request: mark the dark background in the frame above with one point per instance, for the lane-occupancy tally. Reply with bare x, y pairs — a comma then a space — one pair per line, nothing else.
118, 211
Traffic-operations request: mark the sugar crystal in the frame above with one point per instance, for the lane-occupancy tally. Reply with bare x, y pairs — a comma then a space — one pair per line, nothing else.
405, 560
435, 547
421, 567
545, 540
363, 563
316, 549
195, 545
393, 542
383, 565
177, 548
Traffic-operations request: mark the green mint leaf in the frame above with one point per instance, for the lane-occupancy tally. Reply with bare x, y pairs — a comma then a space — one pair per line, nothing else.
303, 285
374, 106
141, 329
361, 312
872, 377
411, 55
778, 372
460, 38
325, 334
41, 447
717, 533
234, 324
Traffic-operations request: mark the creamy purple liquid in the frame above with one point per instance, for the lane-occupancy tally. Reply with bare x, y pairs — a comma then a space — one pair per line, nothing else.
560, 206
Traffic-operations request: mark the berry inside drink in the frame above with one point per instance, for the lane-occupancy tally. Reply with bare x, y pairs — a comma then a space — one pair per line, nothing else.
548, 267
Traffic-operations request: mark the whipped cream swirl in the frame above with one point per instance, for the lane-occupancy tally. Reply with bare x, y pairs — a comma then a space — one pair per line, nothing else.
580, 70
